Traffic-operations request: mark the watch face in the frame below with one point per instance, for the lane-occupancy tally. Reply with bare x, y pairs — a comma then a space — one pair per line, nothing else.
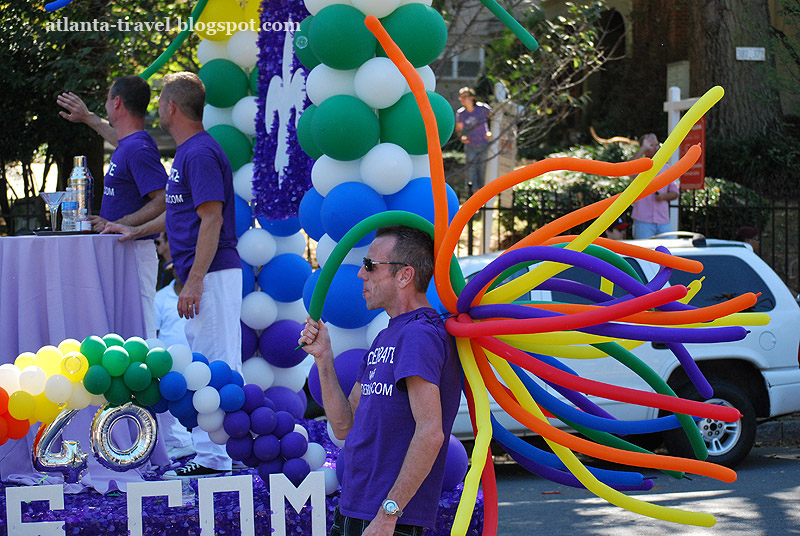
390, 507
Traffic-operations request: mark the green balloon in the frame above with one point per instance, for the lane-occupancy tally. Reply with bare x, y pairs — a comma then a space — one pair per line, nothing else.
234, 143
137, 348
118, 393
254, 81
137, 376
93, 347
302, 49
112, 339
339, 38
149, 396
225, 82
304, 136
419, 31
158, 361
116, 361
402, 123
97, 380
344, 127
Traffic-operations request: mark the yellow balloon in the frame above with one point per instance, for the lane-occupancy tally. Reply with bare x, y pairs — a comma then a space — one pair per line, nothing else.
21, 405
74, 366
49, 359
251, 10
220, 19
25, 359
46, 411
69, 345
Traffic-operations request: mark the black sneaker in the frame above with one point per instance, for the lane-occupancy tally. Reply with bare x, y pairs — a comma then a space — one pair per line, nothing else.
192, 470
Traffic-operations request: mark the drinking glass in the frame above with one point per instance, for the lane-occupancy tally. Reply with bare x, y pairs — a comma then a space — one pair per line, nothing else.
53, 201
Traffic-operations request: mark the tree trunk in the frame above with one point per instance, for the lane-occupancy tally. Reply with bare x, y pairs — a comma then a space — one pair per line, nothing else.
750, 107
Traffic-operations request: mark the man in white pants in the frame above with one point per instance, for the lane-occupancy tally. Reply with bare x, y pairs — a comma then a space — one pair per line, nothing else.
201, 225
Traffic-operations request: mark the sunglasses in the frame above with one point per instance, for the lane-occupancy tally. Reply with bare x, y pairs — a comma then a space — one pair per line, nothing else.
369, 264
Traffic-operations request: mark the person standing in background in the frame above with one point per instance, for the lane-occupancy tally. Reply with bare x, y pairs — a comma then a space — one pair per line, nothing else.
651, 213
472, 125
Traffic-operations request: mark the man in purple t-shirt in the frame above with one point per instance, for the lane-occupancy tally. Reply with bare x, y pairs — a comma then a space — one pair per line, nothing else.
472, 124
401, 410
133, 189
200, 222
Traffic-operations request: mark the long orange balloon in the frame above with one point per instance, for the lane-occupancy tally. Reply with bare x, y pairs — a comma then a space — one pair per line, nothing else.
603, 452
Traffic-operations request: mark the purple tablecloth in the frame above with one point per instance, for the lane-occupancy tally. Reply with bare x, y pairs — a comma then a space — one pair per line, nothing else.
58, 287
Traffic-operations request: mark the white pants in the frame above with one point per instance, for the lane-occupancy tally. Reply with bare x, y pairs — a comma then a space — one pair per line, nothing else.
147, 264
216, 333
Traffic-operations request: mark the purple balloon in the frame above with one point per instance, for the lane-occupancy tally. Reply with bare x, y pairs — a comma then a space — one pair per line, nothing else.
346, 365
293, 445
263, 421
237, 424
286, 400
456, 464
296, 470
252, 461
278, 342
269, 404
285, 424
249, 342
266, 447
240, 448
268, 468
231, 398
253, 397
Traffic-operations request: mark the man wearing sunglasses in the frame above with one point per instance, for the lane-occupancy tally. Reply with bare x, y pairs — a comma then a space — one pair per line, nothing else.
399, 414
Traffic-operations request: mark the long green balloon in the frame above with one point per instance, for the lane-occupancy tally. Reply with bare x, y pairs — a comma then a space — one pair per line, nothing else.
511, 23
176, 44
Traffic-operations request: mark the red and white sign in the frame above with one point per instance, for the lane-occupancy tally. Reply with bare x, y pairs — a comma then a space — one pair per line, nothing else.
694, 179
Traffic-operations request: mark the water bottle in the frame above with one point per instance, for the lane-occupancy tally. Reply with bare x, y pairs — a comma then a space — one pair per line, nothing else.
69, 211
82, 183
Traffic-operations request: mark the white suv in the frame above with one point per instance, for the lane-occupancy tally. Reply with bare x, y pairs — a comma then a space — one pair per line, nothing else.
759, 375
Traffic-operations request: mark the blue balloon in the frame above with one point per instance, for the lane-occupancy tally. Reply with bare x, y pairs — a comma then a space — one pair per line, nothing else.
417, 197
197, 356
344, 305
310, 212
284, 276
161, 406
249, 342
248, 279
220, 374
346, 205
236, 378
231, 398
172, 385
244, 215
286, 227
434, 300
183, 407
189, 421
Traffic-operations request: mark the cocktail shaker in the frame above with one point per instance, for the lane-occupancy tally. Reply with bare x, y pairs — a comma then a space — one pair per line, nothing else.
82, 184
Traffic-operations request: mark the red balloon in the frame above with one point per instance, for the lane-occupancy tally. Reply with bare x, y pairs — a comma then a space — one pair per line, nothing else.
3, 401
16, 429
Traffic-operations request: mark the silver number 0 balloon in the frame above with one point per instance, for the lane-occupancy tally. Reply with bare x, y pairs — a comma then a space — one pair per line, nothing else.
111, 455
71, 461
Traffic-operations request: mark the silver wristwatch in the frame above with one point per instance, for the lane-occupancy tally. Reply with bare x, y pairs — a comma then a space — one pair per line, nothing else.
390, 508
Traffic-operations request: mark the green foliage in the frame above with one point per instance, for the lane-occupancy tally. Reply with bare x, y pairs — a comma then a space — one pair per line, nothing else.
771, 166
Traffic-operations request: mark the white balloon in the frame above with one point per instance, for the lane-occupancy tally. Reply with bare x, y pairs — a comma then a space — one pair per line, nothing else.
197, 376
356, 255
259, 311
315, 6
295, 310
428, 78
244, 115
243, 182
32, 380
153, 342
58, 388
338, 442
80, 397
426, 2
421, 166
219, 436
98, 400
300, 429
181, 356
206, 400
378, 324
325, 246
256, 370
213, 116
9, 377
328, 173
379, 8
243, 48
295, 243
331, 482
211, 421
315, 456
379, 83
386, 168
256, 247
324, 82
294, 378
209, 50
347, 339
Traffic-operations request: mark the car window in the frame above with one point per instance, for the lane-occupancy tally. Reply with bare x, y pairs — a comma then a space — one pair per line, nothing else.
726, 277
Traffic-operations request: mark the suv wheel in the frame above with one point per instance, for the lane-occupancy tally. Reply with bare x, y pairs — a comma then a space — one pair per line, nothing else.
728, 443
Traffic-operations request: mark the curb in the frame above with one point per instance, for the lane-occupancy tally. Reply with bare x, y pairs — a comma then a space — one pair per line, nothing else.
779, 432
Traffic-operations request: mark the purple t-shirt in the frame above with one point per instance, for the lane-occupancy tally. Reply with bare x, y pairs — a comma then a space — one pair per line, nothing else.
414, 344
200, 173
135, 171
476, 123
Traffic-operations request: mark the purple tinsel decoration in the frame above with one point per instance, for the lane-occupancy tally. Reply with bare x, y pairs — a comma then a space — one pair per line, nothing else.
276, 197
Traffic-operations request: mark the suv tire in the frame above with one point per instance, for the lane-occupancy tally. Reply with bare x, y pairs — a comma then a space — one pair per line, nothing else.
728, 443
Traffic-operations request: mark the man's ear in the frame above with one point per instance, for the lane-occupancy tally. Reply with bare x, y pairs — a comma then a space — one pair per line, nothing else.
405, 276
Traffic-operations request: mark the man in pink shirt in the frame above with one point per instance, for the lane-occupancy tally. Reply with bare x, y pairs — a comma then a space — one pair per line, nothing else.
651, 213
